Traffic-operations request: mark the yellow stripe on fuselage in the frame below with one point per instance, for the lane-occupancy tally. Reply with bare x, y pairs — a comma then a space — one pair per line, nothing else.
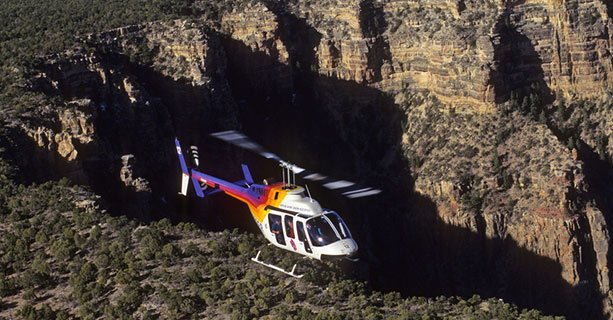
260, 212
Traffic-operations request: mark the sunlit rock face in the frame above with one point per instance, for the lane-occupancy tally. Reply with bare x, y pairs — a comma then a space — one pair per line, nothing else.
128, 91
423, 98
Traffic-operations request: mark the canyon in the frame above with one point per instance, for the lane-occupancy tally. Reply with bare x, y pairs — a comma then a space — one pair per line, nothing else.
463, 112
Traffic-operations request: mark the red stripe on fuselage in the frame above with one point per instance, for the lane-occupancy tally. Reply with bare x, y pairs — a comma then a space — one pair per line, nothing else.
256, 202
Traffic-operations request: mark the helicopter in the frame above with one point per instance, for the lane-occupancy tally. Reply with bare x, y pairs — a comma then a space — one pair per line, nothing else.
286, 214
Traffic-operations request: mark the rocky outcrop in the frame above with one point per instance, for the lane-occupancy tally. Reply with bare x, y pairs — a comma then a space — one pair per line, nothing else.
68, 134
422, 97
137, 197
103, 104
129, 177
258, 56
75, 128
602, 248
509, 180
573, 42
469, 54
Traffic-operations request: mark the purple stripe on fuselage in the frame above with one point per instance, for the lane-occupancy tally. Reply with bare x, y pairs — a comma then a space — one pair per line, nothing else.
248, 195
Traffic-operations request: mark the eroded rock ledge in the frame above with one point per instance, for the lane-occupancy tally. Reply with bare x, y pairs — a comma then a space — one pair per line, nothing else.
489, 198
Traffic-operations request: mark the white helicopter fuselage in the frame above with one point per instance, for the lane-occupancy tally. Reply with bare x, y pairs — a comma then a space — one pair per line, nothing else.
299, 224
286, 216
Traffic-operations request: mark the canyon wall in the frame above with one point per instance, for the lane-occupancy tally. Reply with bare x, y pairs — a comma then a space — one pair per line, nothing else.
507, 176
425, 99
467, 53
115, 105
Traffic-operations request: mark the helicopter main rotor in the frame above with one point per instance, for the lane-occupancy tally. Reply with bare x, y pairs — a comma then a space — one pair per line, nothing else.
348, 189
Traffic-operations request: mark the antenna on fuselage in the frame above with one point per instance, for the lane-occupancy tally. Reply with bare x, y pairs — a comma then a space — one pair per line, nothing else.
308, 192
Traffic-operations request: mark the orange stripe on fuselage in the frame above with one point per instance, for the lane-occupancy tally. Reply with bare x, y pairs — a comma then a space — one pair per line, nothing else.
257, 206
259, 212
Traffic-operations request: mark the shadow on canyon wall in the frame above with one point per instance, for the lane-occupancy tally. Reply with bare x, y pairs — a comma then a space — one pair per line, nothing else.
520, 76
519, 72
330, 126
405, 245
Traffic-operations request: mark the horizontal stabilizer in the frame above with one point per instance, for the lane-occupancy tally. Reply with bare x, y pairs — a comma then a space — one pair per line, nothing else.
212, 192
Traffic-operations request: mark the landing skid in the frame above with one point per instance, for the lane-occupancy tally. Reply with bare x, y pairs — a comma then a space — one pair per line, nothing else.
272, 266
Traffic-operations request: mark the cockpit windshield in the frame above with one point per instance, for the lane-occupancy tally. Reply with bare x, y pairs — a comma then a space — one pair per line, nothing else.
321, 231
326, 229
338, 223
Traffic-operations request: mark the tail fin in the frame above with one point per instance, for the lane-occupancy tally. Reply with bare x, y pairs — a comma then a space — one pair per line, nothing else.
186, 174
247, 174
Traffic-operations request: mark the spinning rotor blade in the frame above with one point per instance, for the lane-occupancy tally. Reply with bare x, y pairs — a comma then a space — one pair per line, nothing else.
347, 188
238, 139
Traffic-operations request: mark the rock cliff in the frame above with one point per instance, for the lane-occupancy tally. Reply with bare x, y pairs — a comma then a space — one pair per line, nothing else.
103, 113
447, 105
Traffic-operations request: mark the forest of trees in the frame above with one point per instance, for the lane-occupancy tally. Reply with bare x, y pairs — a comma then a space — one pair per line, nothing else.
63, 257
31, 29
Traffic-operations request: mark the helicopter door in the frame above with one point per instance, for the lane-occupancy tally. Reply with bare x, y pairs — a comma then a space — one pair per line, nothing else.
302, 236
288, 221
275, 227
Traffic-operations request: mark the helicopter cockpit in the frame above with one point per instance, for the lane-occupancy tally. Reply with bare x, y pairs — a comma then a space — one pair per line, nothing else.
326, 229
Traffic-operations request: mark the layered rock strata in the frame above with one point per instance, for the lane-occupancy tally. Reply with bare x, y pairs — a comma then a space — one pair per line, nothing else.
498, 203
103, 102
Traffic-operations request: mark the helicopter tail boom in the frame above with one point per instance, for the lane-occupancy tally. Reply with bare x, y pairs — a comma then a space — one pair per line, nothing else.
205, 184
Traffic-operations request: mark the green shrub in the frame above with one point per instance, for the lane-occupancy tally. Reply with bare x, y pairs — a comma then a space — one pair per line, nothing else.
31, 313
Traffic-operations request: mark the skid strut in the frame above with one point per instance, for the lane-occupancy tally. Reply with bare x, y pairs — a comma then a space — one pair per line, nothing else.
272, 266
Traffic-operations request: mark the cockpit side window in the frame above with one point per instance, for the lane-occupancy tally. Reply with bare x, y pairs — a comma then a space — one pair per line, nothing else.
339, 224
320, 231
275, 227
302, 236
